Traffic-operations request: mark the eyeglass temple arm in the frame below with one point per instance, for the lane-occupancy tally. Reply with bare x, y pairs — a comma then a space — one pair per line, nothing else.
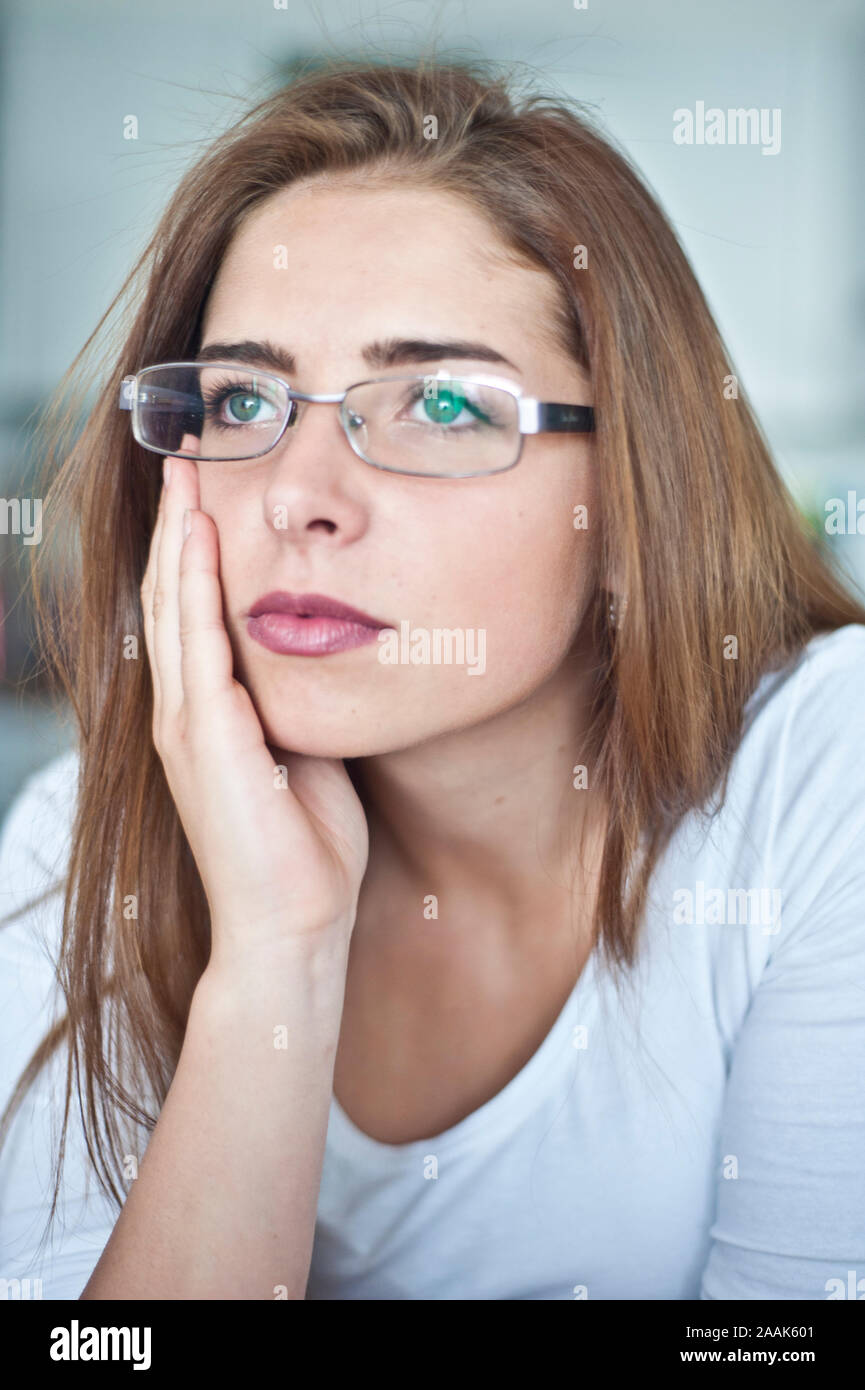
177, 401
553, 417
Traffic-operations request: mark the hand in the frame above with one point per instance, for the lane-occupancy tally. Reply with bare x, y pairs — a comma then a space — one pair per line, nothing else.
277, 863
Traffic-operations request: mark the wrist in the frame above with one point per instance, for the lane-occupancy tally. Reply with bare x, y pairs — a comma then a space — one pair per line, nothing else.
254, 970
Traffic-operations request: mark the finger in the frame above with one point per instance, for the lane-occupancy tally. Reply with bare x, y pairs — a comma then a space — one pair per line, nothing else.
181, 493
207, 661
147, 586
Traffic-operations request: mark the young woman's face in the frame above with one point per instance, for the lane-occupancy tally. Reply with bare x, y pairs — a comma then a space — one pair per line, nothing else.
493, 562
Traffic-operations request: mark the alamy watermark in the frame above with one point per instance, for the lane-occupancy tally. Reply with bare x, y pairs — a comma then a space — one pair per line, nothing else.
77, 1343
741, 907
21, 516
20, 1289
738, 125
441, 646
845, 517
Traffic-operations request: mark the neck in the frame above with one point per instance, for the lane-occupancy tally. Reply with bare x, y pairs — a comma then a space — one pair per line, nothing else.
486, 819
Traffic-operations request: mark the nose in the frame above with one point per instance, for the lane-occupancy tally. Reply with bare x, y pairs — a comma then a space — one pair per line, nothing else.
316, 490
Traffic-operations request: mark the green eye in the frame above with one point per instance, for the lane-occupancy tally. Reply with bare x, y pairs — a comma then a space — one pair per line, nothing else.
445, 406
244, 407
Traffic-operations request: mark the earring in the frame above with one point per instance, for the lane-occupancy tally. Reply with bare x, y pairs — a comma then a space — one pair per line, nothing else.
618, 605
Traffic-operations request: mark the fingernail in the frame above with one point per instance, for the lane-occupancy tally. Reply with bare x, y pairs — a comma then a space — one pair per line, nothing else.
166, 471
187, 523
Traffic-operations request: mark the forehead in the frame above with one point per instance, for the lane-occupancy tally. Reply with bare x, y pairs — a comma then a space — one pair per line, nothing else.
330, 254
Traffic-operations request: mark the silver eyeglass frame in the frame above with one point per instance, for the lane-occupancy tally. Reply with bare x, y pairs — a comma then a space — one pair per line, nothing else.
533, 416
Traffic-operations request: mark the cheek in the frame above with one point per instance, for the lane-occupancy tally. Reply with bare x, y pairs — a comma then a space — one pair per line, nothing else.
540, 599
525, 571
235, 516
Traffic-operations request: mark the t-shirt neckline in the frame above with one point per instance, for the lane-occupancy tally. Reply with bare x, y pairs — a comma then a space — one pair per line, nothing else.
507, 1106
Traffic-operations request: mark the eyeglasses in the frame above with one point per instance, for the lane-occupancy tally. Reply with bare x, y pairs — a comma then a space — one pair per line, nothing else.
427, 426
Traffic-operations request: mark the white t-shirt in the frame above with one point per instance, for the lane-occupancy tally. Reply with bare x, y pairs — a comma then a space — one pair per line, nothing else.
701, 1137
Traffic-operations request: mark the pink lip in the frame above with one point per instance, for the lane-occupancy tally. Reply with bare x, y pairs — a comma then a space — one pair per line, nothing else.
309, 624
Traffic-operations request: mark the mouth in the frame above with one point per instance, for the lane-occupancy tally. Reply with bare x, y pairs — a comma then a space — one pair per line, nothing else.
309, 624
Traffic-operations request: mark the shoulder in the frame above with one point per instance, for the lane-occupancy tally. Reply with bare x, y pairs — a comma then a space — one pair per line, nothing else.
799, 758
784, 855
795, 1098
796, 784
35, 834
50, 792
35, 841
820, 692
800, 764
34, 847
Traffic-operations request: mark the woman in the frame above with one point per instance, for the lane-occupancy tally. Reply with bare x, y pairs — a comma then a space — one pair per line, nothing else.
463, 897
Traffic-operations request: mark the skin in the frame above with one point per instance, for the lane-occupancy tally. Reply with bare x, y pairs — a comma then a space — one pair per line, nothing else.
466, 780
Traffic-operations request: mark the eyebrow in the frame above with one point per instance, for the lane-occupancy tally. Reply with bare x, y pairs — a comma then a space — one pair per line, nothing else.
382, 354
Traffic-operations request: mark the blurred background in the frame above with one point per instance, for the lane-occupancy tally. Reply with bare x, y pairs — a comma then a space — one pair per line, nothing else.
775, 238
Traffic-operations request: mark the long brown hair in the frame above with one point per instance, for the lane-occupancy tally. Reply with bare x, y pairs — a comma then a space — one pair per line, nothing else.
697, 526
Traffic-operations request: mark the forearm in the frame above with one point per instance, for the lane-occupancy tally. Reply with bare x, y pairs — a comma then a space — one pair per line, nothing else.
225, 1201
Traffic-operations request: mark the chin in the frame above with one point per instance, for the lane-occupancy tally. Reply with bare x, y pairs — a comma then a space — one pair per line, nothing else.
317, 744
321, 733
362, 715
